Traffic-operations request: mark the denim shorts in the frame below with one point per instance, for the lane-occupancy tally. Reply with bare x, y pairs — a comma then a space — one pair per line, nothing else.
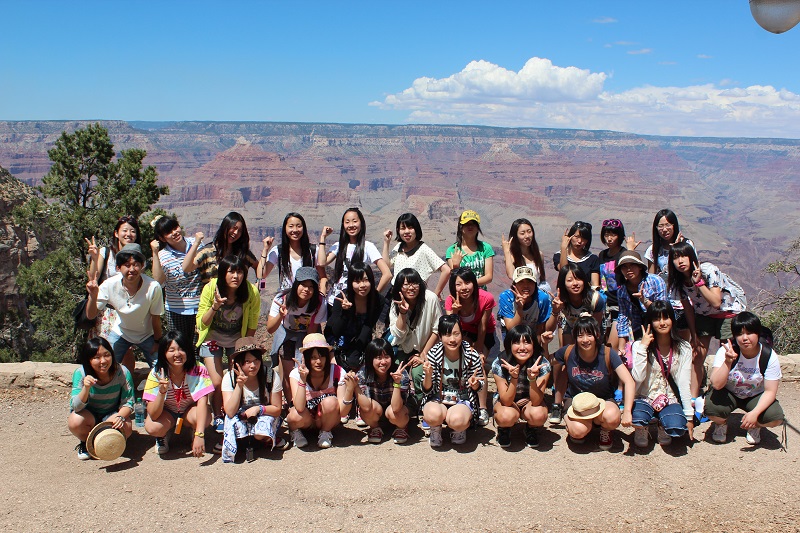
670, 417
120, 345
215, 350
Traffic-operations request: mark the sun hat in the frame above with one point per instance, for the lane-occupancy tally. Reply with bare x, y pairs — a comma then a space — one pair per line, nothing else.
585, 406
315, 340
524, 272
104, 442
469, 216
132, 249
246, 344
629, 256
306, 274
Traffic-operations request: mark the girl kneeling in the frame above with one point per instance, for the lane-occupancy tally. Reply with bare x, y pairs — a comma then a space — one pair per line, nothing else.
453, 375
520, 381
662, 363
251, 396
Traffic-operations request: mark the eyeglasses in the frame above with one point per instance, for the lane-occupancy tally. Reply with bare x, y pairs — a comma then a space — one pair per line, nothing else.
409, 284
664, 226
612, 223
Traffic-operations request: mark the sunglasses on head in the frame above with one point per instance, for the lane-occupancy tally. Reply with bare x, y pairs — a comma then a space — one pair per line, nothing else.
612, 223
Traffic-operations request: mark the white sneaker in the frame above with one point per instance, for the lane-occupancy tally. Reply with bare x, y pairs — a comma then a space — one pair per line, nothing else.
435, 437
458, 437
345, 419
300, 440
162, 444
753, 436
641, 436
325, 439
663, 438
720, 434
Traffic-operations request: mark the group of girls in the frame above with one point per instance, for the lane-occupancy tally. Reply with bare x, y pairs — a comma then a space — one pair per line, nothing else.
633, 334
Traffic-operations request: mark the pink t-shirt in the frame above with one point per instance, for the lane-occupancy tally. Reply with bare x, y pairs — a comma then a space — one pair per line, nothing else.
471, 323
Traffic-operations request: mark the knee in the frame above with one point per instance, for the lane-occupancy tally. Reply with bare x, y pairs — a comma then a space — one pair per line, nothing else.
433, 414
576, 429
505, 417
329, 405
536, 416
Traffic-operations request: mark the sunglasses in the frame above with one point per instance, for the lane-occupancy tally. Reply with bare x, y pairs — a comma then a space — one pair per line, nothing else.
612, 223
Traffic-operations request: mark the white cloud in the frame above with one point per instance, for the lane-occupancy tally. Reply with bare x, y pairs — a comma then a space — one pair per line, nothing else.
604, 20
545, 95
640, 51
704, 56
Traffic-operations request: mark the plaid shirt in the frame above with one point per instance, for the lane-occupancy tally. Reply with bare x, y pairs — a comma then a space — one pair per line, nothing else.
382, 392
631, 315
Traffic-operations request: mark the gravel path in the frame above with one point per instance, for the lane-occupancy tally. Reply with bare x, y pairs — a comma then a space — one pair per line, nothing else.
356, 486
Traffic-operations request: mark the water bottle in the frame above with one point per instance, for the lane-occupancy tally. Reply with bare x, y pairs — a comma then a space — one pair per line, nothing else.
138, 412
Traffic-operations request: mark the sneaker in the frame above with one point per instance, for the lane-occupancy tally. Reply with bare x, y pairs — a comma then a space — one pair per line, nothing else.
400, 436
345, 419
282, 444
556, 414
458, 437
162, 444
504, 437
299, 439
483, 417
531, 437
720, 434
219, 425
663, 438
375, 436
753, 436
425, 427
641, 436
360, 422
83, 453
605, 439
217, 449
576, 441
325, 439
435, 436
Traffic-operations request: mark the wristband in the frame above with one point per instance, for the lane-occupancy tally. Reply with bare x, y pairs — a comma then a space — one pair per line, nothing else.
700, 283
396, 385
322, 244
199, 434
301, 384
263, 409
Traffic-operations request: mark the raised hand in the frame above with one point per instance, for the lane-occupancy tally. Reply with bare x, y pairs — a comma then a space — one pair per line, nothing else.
402, 304
513, 370
680, 237
546, 338
346, 304
506, 244
284, 311
631, 243
534, 369
241, 378
565, 240
557, 303
474, 379
94, 251
730, 353
647, 336
387, 235
199, 236
163, 382
397, 375
89, 381
91, 286
427, 368
267, 242
519, 298
456, 306
457, 256
697, 274
326, 231
219, 301
154, 244
303, 371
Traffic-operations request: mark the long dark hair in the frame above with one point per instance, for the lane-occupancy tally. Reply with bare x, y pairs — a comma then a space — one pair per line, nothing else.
241, 246
344, 240
233, 263
90, 349
516, 334
516, 251
284, 267
356, 272
326, 368
292, 302
672, 218
675, 278
126, 219
164, 226
261, 375
577, 272
411, 276
373, 349
661, 309
467, 276
183, 342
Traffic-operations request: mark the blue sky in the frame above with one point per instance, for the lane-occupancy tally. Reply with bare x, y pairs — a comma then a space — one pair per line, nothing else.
681, 67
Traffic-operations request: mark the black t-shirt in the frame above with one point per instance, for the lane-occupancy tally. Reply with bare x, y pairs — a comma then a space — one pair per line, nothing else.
608, 265
591, 377
589, 264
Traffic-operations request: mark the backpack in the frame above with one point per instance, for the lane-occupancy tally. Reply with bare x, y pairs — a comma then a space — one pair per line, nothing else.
734, 289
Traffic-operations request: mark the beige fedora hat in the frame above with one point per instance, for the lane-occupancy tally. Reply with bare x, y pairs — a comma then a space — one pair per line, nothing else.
104, 442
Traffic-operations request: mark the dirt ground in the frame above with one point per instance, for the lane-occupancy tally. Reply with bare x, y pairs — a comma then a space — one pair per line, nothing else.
357, 486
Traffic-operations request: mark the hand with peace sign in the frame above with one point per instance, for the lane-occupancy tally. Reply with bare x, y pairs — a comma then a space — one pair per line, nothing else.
91, 286
219, 301
519, 299
94, 251
534, 369
631, 243
456, 305
346, 304
647, 336
241, 377
697, 274
163, 382
302, 369
730, 353
456, 258
557, 303
513, 370
397, 375
474, 381
402, 304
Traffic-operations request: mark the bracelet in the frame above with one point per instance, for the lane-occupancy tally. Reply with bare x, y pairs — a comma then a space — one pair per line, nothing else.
263, 257
215, 309
199, 434
396, 385
263, 408
348, 403
123, 418
700, 283
301, 384
322, 244
162, 391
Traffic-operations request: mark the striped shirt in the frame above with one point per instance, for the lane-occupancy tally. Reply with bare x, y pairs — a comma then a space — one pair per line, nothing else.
182, 290
103, 399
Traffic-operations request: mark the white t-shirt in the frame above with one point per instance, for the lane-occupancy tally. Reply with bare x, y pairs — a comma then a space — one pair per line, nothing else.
299, 319
286, 280
745, 379
423, 260
134, 324
371, 256
249, 396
